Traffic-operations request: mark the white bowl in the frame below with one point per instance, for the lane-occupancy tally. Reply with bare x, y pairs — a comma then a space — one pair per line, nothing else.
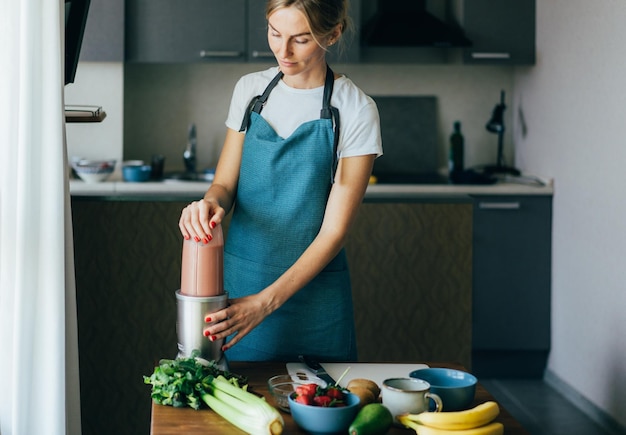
93, 178
93, 171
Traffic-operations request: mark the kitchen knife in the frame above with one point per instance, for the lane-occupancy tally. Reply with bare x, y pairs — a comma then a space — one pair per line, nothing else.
317, 369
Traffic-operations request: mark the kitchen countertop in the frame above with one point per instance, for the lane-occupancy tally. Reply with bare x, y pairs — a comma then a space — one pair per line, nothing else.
120, 190
166, 420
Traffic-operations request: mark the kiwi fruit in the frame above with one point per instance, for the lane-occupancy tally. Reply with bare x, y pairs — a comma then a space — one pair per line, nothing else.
365, 383
364, 394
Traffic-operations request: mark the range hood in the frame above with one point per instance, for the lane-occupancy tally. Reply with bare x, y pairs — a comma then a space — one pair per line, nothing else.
409, 24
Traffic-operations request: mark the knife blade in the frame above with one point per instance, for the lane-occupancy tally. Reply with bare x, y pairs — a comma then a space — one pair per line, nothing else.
317, 369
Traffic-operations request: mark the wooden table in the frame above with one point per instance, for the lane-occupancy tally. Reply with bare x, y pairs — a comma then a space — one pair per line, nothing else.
167, 420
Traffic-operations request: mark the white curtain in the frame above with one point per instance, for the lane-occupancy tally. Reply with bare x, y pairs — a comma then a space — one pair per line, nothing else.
39, 390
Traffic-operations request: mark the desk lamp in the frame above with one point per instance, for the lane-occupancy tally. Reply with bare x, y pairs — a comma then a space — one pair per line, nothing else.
496, 125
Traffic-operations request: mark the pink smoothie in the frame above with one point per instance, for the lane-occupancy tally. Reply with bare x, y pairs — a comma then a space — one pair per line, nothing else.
203, 266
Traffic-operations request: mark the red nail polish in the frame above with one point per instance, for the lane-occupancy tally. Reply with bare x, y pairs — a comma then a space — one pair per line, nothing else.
206, 333
210, 238
224, 348
187, 237
205, 240
213, 224
207, 319
213, 338
196, 238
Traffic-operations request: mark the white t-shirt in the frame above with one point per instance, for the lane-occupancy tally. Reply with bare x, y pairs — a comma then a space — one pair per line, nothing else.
287, 108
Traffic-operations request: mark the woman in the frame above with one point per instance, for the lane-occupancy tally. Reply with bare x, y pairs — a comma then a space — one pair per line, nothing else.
299, 150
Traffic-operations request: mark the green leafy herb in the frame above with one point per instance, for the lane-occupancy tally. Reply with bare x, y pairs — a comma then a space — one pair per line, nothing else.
183, 381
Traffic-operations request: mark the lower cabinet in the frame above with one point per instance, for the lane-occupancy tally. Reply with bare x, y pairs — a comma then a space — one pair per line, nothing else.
511, 285
127, 261
411, 269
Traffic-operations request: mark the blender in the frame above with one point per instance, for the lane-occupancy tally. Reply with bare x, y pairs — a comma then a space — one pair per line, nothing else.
201, 293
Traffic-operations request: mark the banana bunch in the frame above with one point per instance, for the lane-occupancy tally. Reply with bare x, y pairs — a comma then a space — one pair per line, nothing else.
475, 421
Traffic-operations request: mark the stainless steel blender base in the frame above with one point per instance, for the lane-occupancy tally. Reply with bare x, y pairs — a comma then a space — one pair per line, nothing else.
192, 310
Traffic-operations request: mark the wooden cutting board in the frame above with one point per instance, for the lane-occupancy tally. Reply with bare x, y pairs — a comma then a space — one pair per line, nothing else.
376, 372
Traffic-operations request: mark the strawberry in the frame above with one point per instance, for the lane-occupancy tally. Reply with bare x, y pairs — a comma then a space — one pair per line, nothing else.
304, 399
322, 400
334, 393
306, 389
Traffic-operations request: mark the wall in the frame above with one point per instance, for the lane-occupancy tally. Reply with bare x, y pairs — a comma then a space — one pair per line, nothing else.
572, 106
98, 84
149, 107
161, 100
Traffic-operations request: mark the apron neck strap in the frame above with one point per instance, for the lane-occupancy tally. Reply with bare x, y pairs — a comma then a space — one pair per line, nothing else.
257, 103
330, 112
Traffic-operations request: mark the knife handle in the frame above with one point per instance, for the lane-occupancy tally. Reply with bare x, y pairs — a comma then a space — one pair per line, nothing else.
311, 363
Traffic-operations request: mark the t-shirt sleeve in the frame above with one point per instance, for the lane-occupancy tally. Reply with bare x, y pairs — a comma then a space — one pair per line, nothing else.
361, 136
238, 105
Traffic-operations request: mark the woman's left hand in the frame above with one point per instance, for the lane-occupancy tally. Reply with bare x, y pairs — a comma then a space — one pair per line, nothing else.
238, 319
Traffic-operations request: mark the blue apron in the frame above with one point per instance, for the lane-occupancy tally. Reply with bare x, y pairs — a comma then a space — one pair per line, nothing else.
281, 198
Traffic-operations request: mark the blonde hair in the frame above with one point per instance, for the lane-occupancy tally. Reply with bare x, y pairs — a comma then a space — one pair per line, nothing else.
323, 16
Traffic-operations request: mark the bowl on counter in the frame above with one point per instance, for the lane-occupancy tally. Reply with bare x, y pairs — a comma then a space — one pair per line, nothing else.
136, 171
93, 171
281, 386
456, 388
325, 420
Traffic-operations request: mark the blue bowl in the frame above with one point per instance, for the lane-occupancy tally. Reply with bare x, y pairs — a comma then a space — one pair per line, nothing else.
136, 173
455, 387
320, 420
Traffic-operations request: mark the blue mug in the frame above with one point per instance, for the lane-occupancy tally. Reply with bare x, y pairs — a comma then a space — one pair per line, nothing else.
456, 388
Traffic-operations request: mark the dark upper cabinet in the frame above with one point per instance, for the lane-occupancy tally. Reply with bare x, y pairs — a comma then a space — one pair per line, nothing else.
258, 47
502, 32
103, 40
185, 31
169, 31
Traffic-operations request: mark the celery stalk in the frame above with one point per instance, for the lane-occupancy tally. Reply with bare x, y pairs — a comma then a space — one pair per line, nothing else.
248, 412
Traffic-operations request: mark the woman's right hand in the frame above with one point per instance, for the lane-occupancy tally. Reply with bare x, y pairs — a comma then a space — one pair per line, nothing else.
199, 218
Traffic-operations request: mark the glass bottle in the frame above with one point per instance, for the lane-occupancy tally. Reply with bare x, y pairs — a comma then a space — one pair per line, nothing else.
455, 157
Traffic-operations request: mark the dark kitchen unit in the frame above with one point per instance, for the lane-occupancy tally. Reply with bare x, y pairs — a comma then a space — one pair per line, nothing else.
511, 302
409, 132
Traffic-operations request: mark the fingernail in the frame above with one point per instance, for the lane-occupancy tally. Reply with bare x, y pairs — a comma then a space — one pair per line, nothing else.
213, 338
224, 348
213, 224
206, 333
205, 240
207, 319
187, 237
196, 238
210, 237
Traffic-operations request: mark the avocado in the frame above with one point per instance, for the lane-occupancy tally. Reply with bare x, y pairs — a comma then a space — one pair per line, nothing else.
372, 419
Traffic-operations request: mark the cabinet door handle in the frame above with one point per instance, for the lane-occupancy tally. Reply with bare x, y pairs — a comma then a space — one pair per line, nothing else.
258, 54
209, 54
479, 55
499, 205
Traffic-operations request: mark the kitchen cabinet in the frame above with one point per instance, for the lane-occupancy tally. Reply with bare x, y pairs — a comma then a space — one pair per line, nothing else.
410, 266
103, 39
165, 31
511, 285
501, 32
190, 31
258, 47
